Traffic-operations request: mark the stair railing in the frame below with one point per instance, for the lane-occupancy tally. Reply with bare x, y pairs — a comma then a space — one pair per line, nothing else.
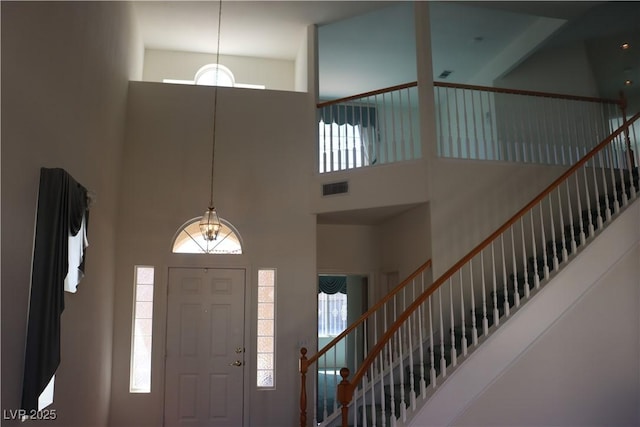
489, 123
358, 336
477, 294
368, 129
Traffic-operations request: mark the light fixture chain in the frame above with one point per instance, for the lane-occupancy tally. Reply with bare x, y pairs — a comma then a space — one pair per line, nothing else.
215, 103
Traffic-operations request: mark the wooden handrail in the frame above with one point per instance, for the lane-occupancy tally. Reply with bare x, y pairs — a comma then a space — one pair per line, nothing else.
365, 94
473, 87
475, 251
527, 93
368, 313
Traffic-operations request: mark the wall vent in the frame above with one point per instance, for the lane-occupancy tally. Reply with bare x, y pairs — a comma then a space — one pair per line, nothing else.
335, 188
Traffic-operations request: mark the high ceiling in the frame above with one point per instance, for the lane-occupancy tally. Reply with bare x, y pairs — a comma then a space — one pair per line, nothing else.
378, 36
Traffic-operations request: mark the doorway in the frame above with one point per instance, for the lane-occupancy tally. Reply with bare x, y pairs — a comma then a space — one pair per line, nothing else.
204, 369
341, 301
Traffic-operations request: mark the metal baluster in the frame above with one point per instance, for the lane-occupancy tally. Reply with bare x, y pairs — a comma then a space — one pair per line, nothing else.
487, 156
475, 126
421, 327
459, 133
411, 149
570, 215
579, 200
516, 291
504, 277
432, 369
403, 149
534, 253
440, 134
401, 381
544, 242
629, 158
449, 117
553, 137
525, 267
372, 396
463, 345
474, 329
383, 400
494, 136
622, 157
614, 193
392, 386
412, 385
466, 124
605, 185
384, 150
554, 248
485, 321
567, 127
496, 313
393, 157
597, 198
443, 362
454, 352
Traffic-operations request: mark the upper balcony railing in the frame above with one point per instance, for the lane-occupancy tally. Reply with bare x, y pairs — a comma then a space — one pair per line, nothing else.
369, 129
487, 123
472, 122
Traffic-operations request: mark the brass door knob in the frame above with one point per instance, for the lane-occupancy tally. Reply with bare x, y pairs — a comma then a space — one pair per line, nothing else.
236, 363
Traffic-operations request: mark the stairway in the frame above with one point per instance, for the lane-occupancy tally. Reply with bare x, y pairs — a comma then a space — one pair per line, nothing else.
545, 263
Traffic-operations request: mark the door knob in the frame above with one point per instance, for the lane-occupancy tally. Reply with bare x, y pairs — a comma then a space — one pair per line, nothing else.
236, 363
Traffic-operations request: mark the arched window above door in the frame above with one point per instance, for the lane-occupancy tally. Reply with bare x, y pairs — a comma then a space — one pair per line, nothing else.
189, 240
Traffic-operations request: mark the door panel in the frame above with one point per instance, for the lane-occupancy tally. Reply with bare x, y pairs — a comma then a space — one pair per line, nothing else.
204, 373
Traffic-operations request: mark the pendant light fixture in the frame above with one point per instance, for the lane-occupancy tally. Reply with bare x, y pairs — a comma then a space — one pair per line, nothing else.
210, 222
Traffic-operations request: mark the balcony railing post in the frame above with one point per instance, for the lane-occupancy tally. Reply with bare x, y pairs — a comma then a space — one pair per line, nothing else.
303, 387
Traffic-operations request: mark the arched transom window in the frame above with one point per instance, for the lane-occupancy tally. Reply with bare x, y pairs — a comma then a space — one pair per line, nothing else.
189, 240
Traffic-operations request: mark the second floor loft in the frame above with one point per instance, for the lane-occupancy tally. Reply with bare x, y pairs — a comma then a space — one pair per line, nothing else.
334, 50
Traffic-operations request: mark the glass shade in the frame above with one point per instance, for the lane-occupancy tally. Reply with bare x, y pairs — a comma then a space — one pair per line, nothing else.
210, 224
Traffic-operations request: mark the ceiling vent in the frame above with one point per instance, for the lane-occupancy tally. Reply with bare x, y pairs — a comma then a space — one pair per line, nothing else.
445, 74
335, 188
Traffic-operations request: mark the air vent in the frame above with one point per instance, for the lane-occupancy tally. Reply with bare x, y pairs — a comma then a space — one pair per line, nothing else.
335, 188
444, 74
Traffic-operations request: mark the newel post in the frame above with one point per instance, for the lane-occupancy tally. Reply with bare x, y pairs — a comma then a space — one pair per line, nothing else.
303, 387
345, 394
623, 108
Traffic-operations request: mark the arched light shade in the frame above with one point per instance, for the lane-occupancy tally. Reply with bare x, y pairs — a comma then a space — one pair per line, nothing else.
190, 240
210, 224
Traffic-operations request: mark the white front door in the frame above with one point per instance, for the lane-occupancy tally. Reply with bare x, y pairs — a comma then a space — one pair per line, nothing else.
204, 372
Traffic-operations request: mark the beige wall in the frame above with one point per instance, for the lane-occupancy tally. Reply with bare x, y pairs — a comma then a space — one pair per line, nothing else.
560, 69
261, 186
275, 74
471, 199
65, 70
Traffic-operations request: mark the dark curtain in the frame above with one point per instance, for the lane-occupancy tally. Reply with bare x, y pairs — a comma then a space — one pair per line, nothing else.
62, 203
332, 284
355, 115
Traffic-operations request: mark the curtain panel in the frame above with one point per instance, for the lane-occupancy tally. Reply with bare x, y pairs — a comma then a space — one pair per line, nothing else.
62, 207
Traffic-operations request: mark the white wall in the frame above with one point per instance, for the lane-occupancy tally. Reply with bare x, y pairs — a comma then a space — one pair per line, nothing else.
260, 187
274, 74
65, 70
